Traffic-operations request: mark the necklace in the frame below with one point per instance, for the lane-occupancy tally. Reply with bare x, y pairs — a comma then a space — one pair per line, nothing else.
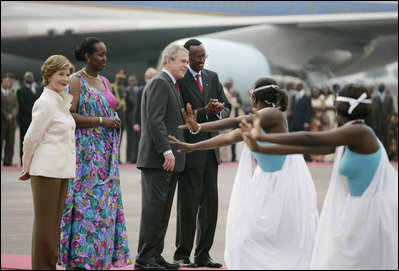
88, 75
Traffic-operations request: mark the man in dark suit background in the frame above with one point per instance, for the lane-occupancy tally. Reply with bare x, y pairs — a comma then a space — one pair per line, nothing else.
160, 163
27, 95
132, 103
300, 111
383, 110
197, 190
9, 110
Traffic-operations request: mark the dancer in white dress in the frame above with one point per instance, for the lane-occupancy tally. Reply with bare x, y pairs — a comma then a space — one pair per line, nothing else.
358, 229
272, 217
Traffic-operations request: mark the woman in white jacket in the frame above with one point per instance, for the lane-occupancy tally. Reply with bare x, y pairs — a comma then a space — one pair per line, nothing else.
49, 159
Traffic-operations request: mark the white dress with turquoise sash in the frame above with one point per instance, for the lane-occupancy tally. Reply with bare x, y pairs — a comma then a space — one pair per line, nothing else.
272, 217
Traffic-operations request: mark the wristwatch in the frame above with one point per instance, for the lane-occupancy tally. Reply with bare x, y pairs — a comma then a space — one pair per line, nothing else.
100, 120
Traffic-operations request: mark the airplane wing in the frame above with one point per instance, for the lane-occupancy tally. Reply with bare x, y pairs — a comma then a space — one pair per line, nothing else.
334, 45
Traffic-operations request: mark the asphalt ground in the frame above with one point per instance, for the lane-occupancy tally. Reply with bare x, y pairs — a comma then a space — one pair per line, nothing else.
17, 207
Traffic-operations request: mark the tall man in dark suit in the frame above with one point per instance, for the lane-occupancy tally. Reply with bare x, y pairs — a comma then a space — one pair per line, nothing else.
27, 95
197, 190
301, 110
160, 163
383, 110
9, 110
132, 103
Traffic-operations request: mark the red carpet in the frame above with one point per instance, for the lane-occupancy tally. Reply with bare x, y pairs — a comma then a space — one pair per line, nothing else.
224, 164
22, 262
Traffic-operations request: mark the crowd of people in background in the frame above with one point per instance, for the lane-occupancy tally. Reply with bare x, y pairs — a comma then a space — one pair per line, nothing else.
17, 100
310, 109
313, 109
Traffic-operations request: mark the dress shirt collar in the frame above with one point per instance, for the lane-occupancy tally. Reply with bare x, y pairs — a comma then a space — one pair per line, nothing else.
170, 75
382, 96
300, 94
194, 73
31, 87
5, 91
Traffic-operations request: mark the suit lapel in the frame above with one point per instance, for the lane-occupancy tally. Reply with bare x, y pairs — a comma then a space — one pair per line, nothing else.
174, 90
193, 85
205, 85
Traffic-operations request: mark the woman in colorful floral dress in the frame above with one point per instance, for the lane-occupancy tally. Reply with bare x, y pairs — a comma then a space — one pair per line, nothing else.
93, 232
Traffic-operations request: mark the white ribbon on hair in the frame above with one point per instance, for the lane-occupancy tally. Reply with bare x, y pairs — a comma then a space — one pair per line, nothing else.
265, 87
354, 102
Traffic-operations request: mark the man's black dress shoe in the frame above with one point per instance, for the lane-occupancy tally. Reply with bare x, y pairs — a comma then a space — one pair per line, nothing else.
207, 263
148, 266
185, 263
161, 261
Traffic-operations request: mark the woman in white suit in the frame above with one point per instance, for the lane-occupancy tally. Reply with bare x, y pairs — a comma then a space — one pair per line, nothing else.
49, 159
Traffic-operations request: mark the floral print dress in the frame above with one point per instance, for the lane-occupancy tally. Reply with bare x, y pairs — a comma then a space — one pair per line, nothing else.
93, 232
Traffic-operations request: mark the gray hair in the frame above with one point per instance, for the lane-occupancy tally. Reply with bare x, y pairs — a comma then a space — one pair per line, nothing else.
171, 51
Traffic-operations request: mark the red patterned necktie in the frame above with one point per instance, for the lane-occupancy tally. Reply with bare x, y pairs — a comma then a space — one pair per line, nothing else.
177, 87
199, 83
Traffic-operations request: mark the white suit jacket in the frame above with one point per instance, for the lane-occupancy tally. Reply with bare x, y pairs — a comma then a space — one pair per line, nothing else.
49, 143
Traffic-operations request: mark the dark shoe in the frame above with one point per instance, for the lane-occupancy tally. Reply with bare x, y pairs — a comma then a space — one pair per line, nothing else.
207, 263
173, 266
148, 266
185, 263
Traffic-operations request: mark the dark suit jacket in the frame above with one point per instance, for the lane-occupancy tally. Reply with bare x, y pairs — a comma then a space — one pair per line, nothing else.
131, 105
137, 109
9, 105
191, 93
160, 116
301, 113
382, 113
26, 99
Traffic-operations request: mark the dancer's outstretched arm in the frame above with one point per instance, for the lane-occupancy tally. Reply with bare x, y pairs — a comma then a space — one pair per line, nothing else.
356, 136
209, 144
283, 149
213, 126
359, 138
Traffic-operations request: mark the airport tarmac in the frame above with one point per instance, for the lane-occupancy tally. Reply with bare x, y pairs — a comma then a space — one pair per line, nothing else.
17, 209
17, 205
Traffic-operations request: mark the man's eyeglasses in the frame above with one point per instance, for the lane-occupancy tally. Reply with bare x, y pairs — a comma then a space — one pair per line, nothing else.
198, 58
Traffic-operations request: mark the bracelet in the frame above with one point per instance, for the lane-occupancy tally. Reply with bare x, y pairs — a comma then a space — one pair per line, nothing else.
100, 120
196, 132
